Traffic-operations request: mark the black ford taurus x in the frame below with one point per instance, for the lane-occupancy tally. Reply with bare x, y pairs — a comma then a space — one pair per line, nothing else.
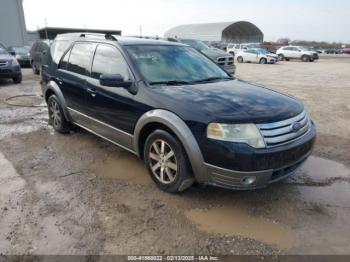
186, 117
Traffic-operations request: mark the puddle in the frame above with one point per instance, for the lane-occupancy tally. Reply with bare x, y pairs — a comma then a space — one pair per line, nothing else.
128, 168
236, 222
319, 169
337, 194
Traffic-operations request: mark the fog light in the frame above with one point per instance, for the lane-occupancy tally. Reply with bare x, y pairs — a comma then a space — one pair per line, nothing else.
248, 180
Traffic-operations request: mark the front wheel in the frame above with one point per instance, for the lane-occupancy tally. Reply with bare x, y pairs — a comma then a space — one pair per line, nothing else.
167, 162
305, 58
17, 79
240, 59
263, 61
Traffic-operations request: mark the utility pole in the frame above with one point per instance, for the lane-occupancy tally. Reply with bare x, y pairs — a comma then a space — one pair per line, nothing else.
47, 37
140, 28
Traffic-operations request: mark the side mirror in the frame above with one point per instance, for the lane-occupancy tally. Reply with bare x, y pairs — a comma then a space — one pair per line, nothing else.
114, 80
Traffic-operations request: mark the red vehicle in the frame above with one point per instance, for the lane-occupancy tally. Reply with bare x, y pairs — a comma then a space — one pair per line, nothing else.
346, 50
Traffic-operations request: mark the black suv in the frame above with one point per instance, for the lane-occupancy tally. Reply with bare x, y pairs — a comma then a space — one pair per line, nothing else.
176, 109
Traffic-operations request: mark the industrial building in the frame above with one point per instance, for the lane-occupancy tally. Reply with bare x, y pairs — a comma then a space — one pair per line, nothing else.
235, 32
12, 24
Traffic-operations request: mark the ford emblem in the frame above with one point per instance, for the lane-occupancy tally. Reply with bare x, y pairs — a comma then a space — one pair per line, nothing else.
296, 126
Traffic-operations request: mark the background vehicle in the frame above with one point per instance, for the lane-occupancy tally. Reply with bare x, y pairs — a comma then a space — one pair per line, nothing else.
346, 51
296, 52
256, 55
38, 53
233, 49
21, 53
220, 57
177, 110
9, 66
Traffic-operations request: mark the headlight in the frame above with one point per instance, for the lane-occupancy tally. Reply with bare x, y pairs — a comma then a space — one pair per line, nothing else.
240, 133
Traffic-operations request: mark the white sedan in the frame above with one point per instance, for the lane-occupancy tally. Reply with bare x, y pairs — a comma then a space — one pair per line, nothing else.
257, 55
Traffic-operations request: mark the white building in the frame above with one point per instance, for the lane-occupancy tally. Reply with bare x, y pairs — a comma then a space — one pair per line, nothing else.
13, 30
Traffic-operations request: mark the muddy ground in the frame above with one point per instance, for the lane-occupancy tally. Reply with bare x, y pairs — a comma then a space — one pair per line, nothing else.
77, 194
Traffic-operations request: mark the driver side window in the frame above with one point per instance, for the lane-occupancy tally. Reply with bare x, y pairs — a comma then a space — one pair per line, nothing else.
108, 60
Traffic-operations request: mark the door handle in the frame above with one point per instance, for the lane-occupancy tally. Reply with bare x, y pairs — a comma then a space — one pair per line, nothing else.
91, 91
59, 80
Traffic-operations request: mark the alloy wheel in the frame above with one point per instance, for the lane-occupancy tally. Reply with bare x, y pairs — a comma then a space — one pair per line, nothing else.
55, 114
162, 161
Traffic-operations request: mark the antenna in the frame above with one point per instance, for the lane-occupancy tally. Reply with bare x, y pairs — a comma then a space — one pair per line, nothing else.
140, 28
45, 21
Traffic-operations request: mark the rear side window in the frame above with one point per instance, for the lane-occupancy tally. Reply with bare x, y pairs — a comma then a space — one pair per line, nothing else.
57, 49
64, 62
80, 58
108, 60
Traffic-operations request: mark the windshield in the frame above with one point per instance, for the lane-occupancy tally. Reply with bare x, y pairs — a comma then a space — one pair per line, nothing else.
21, 50
262, 51
2, 51
168, 63
199, 45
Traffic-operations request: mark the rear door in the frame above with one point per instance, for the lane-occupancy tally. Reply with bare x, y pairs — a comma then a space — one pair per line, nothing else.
72, 74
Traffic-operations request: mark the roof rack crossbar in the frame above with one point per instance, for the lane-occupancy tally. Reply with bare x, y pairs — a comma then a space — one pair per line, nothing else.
105, 36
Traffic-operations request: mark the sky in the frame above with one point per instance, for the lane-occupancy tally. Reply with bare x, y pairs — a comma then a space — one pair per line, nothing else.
320, 20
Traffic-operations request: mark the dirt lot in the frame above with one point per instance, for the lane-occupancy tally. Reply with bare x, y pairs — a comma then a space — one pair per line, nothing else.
77, 194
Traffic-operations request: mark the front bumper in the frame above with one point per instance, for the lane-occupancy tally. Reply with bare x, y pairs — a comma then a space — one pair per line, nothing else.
263, 167
10, 72
272, 60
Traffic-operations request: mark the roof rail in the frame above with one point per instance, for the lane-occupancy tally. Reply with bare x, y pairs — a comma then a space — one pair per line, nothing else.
105, 36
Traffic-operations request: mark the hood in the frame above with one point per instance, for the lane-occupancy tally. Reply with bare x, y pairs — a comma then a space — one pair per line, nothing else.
214, 53
6, 57
272, 55
228, 102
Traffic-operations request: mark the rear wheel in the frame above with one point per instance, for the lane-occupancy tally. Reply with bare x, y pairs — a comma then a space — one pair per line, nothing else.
56, 115
263, 61
280, 57
240, 59
167, 162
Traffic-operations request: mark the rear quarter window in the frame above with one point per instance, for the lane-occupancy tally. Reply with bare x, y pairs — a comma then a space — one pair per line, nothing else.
58, 48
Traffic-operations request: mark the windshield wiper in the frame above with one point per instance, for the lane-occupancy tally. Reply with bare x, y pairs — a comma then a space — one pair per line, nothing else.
214, 78
170, 83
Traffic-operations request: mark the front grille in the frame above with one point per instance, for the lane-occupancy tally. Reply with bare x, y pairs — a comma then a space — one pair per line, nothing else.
285, 131
3, 62
222, 61
5, 71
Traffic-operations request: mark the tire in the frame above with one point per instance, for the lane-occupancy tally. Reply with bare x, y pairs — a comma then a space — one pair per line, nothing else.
171, 173
56, 115
263, 61
240, 59
305, 58
17, 79
280, 57
36, 71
